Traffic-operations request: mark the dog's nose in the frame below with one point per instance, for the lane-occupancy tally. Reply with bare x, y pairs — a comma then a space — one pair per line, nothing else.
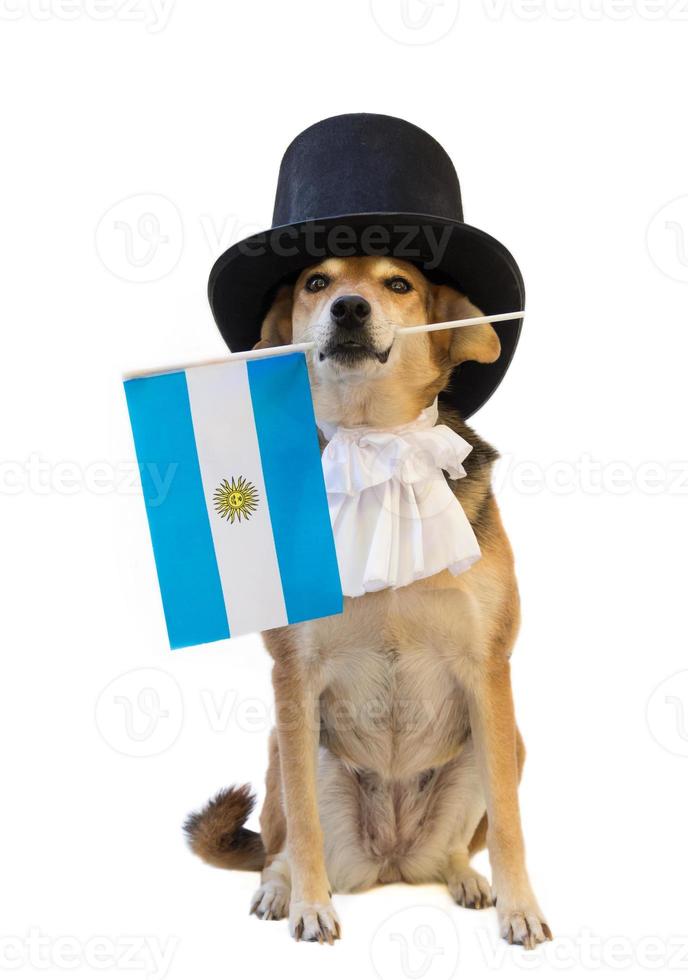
350, 311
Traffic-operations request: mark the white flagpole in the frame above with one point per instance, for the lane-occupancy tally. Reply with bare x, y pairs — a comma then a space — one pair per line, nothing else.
252, 355
472, 321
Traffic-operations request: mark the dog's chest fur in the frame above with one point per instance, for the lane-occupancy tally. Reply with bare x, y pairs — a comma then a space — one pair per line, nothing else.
391, 703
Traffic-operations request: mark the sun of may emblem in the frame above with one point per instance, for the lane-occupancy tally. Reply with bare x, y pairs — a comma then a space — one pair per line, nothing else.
236, 499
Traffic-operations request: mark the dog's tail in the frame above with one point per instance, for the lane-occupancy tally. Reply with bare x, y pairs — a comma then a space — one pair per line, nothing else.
217, 833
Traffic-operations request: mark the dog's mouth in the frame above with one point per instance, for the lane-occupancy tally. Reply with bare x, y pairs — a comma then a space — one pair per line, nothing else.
353, 352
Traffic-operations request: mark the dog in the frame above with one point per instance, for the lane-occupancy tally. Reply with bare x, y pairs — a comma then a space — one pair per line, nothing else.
395, 755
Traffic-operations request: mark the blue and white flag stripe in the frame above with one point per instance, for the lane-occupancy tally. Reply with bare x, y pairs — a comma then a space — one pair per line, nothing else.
217, 422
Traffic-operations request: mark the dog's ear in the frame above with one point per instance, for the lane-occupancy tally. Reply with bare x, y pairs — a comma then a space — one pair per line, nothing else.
276, 329
479, 343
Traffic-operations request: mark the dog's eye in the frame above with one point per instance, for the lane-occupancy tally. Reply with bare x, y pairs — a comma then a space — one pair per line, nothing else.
317, 282
399, 285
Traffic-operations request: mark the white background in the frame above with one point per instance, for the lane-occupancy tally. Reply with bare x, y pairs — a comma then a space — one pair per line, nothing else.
138, 142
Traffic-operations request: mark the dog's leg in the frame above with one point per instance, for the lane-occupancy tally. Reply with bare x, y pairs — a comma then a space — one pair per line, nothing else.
466, 886
479, 839
311, 914
495, 737
271, 900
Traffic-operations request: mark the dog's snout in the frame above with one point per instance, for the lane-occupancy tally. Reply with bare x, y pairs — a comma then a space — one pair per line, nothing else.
350, 311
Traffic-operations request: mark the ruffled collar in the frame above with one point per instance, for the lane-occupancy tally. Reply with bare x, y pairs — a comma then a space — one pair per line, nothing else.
395, 519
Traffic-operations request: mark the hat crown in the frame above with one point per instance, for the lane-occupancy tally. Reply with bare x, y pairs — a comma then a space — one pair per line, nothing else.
364, 163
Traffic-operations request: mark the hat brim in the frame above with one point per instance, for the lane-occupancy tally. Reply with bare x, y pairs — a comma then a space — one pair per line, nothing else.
243, 280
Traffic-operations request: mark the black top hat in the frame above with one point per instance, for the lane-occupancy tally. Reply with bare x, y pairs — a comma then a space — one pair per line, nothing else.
364, 184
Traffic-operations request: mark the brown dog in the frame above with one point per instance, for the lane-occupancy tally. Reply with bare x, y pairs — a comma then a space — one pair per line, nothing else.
395, 754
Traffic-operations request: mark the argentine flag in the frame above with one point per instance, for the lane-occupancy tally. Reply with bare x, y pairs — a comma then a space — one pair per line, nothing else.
242, 537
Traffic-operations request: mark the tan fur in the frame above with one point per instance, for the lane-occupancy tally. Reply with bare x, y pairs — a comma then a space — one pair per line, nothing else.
396, 753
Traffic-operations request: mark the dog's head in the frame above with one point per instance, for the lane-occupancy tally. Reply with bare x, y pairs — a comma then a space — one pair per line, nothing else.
362, 372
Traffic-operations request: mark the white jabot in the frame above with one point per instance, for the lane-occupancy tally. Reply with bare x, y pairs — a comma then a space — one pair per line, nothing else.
395, 519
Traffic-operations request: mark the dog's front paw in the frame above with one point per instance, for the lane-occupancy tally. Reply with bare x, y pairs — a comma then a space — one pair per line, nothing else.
470, 889
524, 926
314, 922
271, 901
